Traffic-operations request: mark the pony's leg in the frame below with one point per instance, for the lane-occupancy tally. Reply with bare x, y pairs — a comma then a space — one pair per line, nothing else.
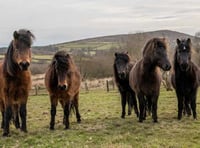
2, 122
129, 101
187, 106
141, 106
66, 114
123, 103
154, 108
2, 113
180, 105
76, 105
134, 103
63, 105
54, 102
23, 113
193, 103
16, 116
149, 105
7, 118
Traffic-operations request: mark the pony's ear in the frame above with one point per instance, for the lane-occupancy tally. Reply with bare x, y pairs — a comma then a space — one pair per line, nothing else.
15, 35
126, 52
189, 41
30, 34
178, 41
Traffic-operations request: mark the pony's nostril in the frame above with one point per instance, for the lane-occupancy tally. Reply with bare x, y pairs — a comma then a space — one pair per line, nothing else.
168, 67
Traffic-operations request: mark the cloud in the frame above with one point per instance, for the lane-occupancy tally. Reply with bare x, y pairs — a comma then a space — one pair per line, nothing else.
64, 20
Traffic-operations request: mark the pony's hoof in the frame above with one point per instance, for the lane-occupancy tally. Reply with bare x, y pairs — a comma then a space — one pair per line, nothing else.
6, 135
24, 130
123, 117
155, 121
79, 121
51, 128
140, 120
179, 118
66, 128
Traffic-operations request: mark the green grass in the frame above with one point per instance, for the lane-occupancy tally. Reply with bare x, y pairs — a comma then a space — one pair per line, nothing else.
102, 126
89, 45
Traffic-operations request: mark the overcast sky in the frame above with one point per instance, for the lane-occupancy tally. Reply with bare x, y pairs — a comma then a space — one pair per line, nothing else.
56, 21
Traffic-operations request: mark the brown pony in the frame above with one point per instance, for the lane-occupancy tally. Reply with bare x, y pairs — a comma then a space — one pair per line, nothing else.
62, 81
145, 77
15, 80
185, 78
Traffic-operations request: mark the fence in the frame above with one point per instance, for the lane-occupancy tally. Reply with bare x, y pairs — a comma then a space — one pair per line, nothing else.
106, 84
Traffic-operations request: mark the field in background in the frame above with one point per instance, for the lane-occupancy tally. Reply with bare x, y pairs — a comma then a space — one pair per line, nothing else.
102, 126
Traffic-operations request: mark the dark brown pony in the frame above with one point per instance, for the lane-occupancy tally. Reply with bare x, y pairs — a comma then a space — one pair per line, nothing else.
62, 81
185, 78
145, 78
15, 80
122, 67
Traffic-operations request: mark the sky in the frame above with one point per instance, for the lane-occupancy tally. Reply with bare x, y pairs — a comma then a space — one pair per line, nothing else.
57, 21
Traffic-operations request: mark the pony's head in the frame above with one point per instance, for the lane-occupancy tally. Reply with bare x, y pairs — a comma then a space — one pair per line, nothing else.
156, 52
18, 55
62, 63
120, 63
183, 53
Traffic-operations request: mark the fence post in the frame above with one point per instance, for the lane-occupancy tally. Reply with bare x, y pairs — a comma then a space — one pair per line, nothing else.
86, 86
36, 89
113, 84
107, 85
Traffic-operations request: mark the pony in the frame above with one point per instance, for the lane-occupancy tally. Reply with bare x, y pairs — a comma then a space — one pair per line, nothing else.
122, 67
62, 80
15, 80
185, 78
145, 77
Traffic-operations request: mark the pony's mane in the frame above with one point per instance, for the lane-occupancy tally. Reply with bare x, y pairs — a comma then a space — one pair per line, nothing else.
62, 61
24, 36
9, 66
152, 44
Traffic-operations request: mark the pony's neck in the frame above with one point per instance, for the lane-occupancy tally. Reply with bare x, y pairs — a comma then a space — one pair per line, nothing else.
148, 66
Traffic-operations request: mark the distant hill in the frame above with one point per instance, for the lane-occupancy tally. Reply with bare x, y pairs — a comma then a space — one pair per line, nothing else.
105, 42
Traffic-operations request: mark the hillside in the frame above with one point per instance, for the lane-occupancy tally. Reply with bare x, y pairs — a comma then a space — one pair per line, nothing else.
107, 42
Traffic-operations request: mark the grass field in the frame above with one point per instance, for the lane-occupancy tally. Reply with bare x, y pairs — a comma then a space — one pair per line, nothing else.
102, 126
87, 45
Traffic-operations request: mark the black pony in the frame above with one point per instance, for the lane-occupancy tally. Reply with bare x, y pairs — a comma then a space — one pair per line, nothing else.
185, 78
122, 67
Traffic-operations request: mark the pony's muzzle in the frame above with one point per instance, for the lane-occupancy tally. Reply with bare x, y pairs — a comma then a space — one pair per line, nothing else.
62, 87
184, 66
122, 75
24, 65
